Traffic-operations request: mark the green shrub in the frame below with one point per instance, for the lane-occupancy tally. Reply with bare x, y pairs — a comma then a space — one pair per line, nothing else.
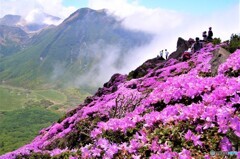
234, 43
216, 41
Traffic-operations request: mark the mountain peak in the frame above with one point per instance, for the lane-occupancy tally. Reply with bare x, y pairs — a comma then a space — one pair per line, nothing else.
35, 21
10, 20
8, 16
84, 13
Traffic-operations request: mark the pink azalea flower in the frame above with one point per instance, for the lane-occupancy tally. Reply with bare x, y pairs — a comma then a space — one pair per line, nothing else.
185, 154
225, 144
191, 137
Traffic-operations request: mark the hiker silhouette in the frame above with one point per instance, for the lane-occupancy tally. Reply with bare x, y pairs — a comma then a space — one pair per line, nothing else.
210, 34
166, 53
204, 36
160, 56
197, 45
161, 53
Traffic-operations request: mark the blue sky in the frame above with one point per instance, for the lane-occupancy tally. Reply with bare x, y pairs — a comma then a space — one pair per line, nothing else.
185, 6
76, 3
192, 6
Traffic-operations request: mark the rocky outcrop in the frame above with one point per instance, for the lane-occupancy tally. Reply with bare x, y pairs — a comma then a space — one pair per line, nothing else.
145, 67
112, 85
219, 56
182, 45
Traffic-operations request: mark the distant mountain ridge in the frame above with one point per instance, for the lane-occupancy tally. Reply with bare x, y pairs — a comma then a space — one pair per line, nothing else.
80, 47
10, 20
12, 40
30, 24
16, 32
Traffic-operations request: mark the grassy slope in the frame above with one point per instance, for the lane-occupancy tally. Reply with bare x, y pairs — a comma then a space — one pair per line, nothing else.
52, 95
22, 69
24, 112
18, 127
10, 99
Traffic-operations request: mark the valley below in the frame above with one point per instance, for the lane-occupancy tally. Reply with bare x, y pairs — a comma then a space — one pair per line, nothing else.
23, 112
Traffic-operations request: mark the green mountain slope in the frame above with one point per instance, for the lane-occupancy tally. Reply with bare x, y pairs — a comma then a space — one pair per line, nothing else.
12, 40
66, 52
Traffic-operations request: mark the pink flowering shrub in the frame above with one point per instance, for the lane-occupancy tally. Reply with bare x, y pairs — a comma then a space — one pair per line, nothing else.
174, 109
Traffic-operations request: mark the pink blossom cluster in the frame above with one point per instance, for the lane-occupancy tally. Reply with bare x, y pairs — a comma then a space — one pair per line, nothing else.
232, 62
181, 94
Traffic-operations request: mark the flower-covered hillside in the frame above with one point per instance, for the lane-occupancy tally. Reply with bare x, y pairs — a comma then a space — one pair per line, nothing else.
168, 109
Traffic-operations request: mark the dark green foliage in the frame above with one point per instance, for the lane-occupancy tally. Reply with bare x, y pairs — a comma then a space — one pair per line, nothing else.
173, 135
235, 140
78, 137
234, 43
191, 64
211, 139
36, 155
119, 136
205, 74
64, 155
159, 106
19, 127
145, 152
216, 41
122, 155
232, 73
188, 100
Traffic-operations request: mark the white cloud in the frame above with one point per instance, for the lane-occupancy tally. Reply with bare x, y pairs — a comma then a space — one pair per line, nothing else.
160, 22
139, 17
168, 25
56, 8
34, 10
35, 16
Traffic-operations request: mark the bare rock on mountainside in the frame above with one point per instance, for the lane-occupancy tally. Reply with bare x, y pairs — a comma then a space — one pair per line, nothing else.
182, 45
143, 69
219, 56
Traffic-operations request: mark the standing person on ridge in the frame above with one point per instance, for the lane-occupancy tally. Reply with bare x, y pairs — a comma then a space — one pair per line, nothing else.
210, 34
161, 53
204, 36
166, 53
197, 46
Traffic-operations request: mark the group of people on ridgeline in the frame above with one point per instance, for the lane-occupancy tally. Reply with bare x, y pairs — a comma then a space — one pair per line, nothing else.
209, 36
198, 44
166, 54
195, 45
